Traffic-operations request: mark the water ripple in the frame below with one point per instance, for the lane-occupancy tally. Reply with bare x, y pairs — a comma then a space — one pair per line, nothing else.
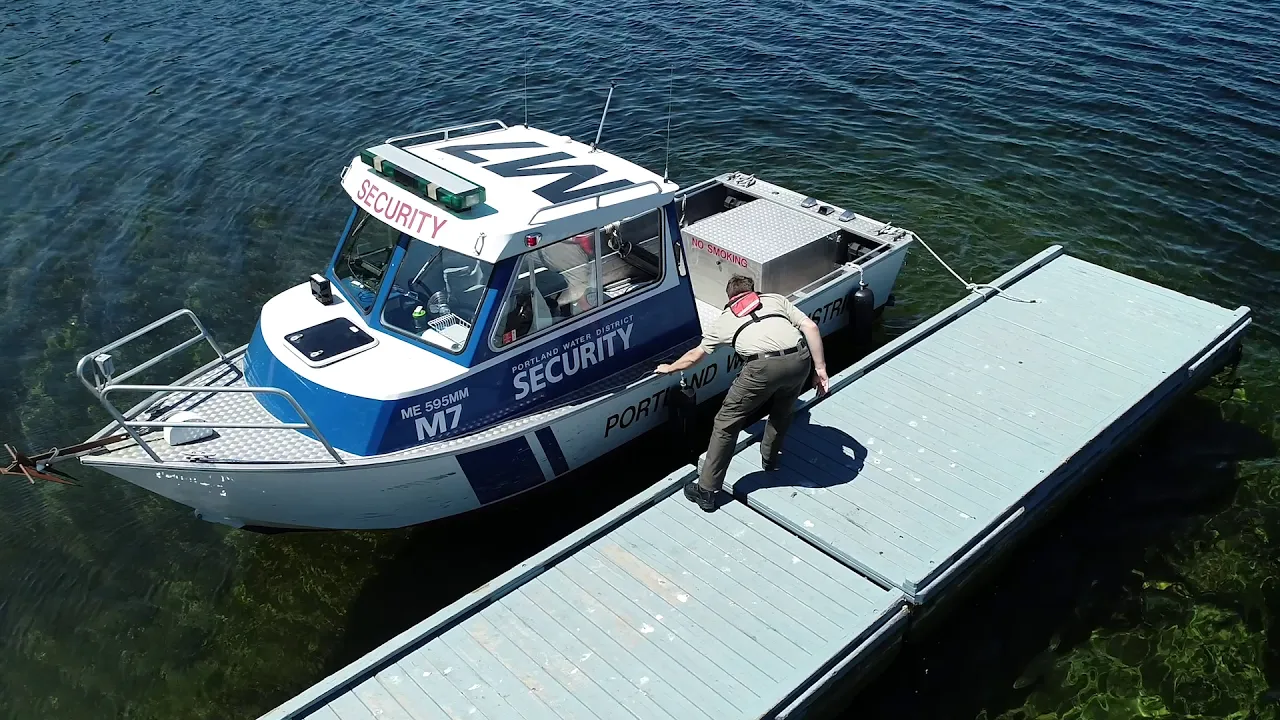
158, 154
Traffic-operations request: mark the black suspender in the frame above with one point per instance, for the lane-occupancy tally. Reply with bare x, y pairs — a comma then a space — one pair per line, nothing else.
754, 319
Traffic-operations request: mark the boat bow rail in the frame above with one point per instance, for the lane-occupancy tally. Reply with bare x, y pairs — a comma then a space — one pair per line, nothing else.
96, 371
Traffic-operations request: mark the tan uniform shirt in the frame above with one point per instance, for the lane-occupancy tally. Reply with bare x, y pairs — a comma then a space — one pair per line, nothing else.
770, 334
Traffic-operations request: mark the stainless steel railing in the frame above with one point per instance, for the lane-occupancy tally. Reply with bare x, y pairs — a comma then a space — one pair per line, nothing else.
594, 196
104, 382
449, 131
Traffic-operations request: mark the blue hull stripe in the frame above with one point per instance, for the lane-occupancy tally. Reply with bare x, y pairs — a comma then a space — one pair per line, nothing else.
551, 447
501, 470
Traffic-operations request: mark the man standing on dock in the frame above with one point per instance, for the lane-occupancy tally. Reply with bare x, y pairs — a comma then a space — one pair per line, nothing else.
777, 342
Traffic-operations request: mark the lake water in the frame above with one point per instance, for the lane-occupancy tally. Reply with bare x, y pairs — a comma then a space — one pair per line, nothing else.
156, 154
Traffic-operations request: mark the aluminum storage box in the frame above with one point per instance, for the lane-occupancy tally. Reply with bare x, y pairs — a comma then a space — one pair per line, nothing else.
782, 248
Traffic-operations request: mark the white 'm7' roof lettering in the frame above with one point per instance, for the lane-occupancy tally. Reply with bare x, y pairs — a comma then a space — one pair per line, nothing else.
523, 171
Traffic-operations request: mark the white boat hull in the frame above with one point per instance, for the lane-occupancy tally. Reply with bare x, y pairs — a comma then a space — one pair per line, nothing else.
400, 490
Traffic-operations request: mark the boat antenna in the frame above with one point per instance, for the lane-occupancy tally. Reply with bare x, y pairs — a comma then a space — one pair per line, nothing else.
612, 84
666, 164
526, 80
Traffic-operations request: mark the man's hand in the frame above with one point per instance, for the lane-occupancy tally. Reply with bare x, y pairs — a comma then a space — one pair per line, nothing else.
686, 361
821, 383
810, 330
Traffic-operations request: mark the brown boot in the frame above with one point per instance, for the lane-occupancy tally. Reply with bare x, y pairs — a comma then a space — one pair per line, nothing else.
706, 499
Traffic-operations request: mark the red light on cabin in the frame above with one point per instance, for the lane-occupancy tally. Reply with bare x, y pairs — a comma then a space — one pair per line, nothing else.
531, 240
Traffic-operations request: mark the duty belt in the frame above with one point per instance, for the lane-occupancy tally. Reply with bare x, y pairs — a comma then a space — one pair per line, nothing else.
774, 353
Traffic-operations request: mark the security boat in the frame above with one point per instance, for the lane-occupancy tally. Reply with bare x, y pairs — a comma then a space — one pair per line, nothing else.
490, 320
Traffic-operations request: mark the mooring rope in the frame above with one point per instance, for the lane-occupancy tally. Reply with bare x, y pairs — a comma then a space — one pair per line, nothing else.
970, 286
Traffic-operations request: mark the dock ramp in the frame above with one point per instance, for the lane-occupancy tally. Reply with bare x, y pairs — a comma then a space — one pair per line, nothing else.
930, 456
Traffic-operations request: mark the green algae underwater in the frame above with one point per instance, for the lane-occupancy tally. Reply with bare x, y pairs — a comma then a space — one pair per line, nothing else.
166, 155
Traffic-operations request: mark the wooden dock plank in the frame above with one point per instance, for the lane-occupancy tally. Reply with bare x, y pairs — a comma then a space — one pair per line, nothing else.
844, 539
916, 517
717, 665
949, 521
688, 619
667, 663
381, 703
852, 489
858, 458
445, 677
1104, 331
673, 694
349, 707
888, 525
734, 605
751, 549
1020, 379
520, 646
824, 432
890, 445
772, 582
750, 581
397, 682
817, 571
908, 402
1057, 320
596, 683
1002, 341
1079, 278
925, 434
525, 685
978, 387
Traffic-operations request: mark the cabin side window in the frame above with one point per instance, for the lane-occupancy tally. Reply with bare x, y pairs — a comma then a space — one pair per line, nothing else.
364, 257
631, 253
552, 284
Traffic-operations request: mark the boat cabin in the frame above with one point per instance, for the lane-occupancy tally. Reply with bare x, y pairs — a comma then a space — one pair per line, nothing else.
485, 272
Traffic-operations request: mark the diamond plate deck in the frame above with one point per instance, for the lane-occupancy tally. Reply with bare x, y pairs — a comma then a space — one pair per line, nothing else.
761, 230
290, 446
276, 446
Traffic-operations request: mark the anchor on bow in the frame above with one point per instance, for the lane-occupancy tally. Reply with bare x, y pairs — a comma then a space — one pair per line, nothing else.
40, 467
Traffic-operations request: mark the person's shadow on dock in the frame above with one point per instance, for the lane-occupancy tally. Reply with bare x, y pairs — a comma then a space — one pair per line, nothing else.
813, 456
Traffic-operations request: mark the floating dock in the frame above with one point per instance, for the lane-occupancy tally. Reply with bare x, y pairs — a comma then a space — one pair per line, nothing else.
930, 457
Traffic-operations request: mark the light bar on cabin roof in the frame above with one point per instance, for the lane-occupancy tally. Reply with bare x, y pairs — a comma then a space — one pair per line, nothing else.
423, 178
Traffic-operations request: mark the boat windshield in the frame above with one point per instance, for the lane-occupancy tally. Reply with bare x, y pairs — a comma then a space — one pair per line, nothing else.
435, 295
364, 258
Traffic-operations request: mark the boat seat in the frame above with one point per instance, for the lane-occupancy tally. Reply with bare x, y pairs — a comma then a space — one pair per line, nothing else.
465, 286
542, 317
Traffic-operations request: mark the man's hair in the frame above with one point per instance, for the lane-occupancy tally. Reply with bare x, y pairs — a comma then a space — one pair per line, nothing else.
739, 284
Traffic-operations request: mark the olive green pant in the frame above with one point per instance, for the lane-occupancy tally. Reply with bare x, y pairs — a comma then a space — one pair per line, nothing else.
774, 383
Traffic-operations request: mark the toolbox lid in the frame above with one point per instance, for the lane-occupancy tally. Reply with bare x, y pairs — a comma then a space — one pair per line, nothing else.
760, 231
